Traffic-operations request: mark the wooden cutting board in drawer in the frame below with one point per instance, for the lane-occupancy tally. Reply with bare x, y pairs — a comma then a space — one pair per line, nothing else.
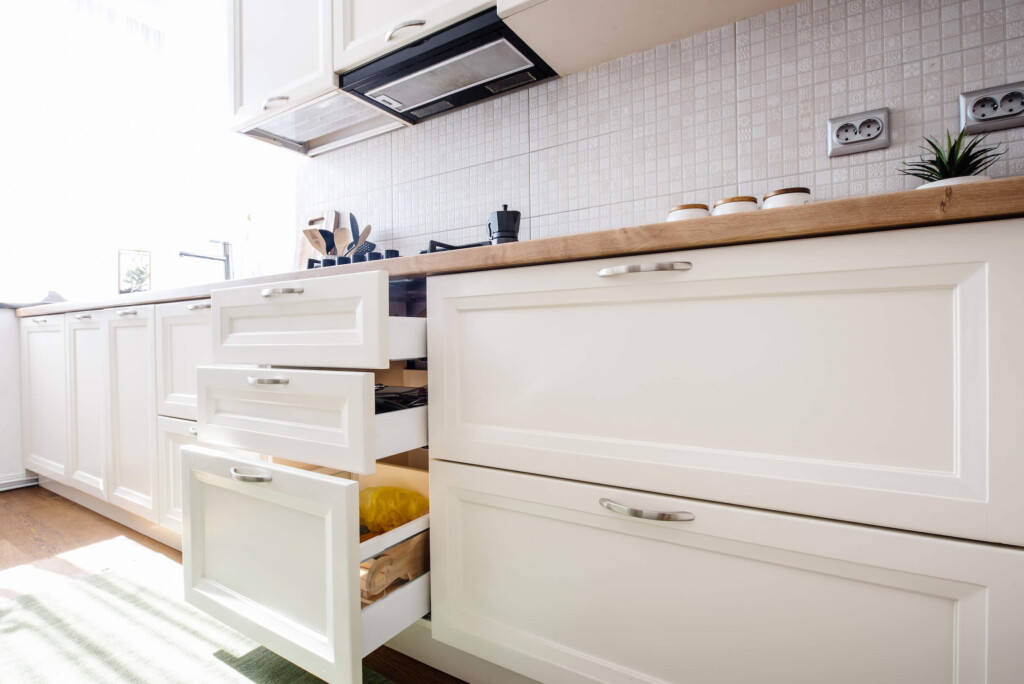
337, 321
322, 417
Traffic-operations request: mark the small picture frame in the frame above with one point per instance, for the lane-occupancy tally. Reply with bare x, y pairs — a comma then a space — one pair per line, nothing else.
134, 271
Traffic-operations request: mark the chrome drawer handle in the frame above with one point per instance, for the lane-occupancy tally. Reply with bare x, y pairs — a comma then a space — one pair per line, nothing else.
646, 515
39, 321
249, 478
82, 317
645, 268
271, 100
267, 381
131, 312
196, 307
401, 25
193, 431
271, 291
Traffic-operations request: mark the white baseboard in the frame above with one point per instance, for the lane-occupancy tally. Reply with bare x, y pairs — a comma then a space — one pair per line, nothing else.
137, 523
15, 480
417, 643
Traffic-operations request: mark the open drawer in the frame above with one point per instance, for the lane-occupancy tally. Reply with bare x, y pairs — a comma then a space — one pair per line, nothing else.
322, 417
273, 551
329, 322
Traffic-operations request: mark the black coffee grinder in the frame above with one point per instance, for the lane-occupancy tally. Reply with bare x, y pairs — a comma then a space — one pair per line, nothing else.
503, 226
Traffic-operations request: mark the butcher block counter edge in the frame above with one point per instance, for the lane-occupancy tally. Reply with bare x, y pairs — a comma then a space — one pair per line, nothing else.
982, 201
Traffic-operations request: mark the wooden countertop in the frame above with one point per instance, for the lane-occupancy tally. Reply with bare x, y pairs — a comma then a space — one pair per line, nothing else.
984, 201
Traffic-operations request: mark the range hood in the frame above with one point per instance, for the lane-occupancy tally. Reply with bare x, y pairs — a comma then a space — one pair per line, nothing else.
473, 60
478, 58
324, 123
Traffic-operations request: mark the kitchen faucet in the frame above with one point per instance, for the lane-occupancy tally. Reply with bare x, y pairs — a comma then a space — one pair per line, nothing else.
228, 272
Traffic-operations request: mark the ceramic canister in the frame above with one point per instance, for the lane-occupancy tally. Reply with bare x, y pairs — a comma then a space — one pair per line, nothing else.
734, 205
786, 197
687, 211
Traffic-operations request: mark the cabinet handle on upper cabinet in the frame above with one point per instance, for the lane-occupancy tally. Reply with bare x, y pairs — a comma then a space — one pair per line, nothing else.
196, 307
678, 516
193, 431
82, 317
271, 291
401, 25
131, 312
249, 478
267, 381
270, 100
645, 268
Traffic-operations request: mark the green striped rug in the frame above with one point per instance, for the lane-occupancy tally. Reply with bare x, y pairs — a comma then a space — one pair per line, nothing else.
113, 612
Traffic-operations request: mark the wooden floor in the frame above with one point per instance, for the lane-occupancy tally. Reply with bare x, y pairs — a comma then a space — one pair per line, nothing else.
36, 524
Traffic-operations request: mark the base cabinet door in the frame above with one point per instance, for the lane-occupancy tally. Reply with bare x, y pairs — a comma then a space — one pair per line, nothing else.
44, 396
132, 479
538, 575
274, 552
88, 406
184, 341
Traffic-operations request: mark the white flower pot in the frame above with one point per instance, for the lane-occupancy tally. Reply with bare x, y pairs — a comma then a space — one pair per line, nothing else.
959, 180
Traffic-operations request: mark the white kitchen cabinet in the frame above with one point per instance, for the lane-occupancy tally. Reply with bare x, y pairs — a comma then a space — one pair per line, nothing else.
281, 56
337, 321
873, 378
132, 472
572, 35
44, 396
183, 343
322, 417
88, 381
534, 574
367, 29
298, 590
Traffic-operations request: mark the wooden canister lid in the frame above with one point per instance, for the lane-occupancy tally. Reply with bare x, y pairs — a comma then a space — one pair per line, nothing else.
689, 206
727, 200
786, 191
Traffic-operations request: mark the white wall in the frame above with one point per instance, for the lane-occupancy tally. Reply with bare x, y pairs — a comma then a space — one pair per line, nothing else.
737, 110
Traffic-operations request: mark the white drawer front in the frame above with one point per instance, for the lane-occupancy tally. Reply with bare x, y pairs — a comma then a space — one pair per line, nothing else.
279, 561
331, 322
183, 343
535, 575
873, 378
322, 417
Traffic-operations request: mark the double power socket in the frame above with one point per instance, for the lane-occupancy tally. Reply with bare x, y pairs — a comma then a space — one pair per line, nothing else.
981, 111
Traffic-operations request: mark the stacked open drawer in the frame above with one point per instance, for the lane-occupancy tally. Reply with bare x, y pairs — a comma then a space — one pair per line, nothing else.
273, 548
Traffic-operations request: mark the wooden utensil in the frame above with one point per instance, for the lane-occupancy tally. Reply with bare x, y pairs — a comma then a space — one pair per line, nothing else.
327, 232
405, 561
361, 246
316, 239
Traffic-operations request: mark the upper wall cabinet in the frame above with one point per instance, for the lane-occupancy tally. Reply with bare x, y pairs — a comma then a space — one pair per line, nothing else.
366, 29
281, 55
571, 35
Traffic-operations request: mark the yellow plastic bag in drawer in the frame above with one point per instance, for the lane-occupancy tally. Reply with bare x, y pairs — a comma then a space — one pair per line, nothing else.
385, 508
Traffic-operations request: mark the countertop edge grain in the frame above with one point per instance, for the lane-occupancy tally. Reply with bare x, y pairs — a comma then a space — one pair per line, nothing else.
983, 201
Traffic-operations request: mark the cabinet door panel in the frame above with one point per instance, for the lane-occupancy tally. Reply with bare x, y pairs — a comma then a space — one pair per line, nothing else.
89, 378
184, 342
278, 50
535, 575
44, 396
867, 377
133, 471
361, 27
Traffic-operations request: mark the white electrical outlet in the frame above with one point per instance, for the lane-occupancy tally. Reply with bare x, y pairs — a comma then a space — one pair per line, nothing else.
858, 132
992, 109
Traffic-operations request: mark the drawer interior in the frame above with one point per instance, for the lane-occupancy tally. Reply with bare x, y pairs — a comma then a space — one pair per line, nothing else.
395, 558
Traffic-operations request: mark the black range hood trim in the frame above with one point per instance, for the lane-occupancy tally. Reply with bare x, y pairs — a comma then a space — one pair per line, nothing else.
476, 31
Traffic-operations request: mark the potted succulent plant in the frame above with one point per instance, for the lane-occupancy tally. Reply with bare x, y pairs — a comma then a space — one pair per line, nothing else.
952, 162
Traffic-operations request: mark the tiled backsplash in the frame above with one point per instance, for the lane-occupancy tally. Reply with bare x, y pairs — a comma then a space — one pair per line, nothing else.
736, 110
